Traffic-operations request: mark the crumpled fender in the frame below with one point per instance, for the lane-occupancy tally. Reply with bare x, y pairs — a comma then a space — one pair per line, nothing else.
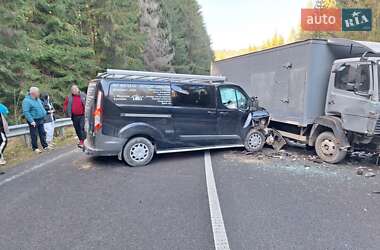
275, 139
255, 116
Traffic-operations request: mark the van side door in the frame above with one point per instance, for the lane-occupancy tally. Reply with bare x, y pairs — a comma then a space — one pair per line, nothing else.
194, 113
233, 110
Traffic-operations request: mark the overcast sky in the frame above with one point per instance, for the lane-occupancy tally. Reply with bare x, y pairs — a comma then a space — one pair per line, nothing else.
235, 24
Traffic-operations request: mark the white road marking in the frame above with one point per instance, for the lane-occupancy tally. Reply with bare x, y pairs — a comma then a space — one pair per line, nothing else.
217, 223
27, 171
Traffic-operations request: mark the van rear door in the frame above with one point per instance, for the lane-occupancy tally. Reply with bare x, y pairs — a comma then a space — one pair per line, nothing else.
89, 110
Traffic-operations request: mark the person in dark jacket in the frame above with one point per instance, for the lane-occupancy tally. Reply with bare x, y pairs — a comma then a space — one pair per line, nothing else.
3, 132
34, 113
49, 118
74, 107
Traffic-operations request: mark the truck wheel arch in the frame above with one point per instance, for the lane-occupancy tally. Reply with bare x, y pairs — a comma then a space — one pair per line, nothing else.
332, 123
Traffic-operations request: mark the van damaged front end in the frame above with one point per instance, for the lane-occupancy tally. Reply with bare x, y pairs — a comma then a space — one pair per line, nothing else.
258, 120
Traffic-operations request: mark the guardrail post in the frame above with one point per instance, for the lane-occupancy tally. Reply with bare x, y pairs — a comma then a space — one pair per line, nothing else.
62, 131
27, 140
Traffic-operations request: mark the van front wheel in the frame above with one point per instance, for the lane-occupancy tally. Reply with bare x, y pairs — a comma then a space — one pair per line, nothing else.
254, 141
327, 148
138, 152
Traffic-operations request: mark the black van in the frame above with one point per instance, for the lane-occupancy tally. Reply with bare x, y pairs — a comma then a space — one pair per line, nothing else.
136, 114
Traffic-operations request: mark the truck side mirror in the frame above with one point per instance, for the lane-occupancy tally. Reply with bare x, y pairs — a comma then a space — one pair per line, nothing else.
254, 103
340, 68
369, 94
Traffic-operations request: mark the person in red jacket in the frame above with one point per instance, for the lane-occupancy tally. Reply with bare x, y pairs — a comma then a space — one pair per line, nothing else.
74, 107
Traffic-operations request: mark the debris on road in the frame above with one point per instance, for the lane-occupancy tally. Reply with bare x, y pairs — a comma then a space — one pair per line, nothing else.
366, 172
360, 171
361, 162
316, 159
370, 174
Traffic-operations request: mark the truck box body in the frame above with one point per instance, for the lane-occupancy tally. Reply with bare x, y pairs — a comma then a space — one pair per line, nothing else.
290, 81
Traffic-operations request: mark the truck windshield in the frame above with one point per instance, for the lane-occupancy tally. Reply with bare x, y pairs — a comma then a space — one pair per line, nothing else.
378, 77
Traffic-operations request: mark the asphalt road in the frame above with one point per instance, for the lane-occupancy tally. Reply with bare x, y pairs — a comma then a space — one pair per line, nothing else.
67, 200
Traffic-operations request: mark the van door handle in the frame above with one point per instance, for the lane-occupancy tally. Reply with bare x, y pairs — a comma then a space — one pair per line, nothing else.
223, 112
211, 112
331, 102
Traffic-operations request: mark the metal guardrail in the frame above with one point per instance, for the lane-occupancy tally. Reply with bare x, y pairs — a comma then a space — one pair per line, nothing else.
23, 129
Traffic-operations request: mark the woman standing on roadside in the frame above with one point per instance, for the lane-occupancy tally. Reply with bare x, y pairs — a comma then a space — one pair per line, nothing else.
49, 118
3, 130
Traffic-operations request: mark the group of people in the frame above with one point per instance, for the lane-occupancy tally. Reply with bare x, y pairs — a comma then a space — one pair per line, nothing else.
38, 111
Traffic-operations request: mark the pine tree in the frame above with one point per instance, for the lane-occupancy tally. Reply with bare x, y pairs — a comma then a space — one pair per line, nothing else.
55, 43
190, 40
158, 49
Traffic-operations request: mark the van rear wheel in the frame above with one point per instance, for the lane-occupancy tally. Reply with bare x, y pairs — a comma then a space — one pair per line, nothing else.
138, 152
328, 149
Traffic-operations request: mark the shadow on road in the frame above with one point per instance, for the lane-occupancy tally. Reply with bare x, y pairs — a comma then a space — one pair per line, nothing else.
114, 162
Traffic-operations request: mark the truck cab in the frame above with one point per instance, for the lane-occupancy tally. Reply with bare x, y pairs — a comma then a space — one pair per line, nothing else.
353, 97
353, 94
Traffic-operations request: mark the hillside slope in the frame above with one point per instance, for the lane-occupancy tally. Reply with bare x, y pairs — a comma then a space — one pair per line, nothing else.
53, 44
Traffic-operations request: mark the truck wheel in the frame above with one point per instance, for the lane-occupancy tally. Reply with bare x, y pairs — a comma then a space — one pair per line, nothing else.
138, 152
254, 141
328, 149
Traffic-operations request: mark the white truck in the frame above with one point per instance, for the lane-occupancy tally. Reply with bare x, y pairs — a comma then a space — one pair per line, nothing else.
323, 93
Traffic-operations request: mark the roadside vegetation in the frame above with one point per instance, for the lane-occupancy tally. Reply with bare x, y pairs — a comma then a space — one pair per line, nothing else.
52, 44
17, 151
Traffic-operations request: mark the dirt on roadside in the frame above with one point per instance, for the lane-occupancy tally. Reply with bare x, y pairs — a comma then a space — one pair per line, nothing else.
17, 151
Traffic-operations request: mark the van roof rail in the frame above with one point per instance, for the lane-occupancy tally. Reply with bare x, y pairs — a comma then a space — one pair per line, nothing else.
156, 76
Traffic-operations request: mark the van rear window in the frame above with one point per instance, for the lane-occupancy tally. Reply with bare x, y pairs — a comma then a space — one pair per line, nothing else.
140, 94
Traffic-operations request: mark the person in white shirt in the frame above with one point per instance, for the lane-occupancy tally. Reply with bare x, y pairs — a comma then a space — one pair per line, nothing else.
49, 124
3, 130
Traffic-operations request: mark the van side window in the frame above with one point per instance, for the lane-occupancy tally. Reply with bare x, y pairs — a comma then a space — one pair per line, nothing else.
140, 94
193, 95
232, 98
242, 100
354, 78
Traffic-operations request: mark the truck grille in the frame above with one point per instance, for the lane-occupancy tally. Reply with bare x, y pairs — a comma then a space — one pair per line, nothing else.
377, 127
